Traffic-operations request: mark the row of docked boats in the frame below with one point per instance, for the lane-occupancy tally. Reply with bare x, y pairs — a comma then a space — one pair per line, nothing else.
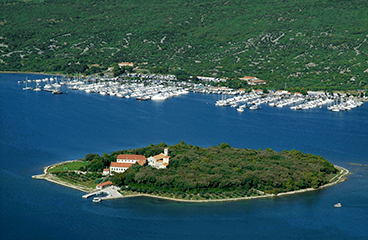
254, 100
47, 84
148, 90
345, 105
139, 91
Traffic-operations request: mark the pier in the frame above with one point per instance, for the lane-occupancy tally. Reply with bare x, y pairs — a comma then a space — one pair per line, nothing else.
111, 192
94, 193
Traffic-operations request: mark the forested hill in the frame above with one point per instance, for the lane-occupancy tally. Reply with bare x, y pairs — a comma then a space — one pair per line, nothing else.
197, 170
316, 44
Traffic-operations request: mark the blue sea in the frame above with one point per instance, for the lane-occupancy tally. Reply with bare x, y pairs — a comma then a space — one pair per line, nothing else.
39, 129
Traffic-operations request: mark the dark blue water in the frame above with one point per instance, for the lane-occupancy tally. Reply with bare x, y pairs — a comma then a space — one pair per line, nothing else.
38, 129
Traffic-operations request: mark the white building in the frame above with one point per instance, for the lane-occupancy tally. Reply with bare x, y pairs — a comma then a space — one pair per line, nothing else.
125, 161
160, 161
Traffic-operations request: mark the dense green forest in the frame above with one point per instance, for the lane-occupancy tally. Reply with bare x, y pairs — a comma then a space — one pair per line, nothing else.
313, 44
219, 169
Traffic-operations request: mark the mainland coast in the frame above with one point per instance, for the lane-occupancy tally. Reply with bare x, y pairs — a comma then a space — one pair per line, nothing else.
38, 73
338, 178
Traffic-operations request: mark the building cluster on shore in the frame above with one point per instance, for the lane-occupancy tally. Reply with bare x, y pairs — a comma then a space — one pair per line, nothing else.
125, 161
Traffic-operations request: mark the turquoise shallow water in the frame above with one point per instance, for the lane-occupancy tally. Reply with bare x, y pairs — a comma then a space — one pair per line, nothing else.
38, 129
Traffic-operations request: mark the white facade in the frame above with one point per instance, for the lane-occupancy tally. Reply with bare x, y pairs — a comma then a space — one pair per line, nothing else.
118, 169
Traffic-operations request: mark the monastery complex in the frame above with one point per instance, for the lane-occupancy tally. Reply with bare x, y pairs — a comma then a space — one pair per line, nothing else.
125, 161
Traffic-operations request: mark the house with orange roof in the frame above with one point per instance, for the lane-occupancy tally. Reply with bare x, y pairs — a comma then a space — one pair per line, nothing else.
125, 64
160, 161
246, 78
104, 185
131, 158
105, 172
125, 161
282, 92
257, 82
116, 167
259, 91
252, 80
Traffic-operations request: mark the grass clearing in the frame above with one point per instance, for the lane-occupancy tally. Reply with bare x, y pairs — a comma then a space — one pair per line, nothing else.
71, 166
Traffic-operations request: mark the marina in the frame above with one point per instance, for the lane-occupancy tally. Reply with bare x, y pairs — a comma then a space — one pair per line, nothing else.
254, 100
143, 90
163, 89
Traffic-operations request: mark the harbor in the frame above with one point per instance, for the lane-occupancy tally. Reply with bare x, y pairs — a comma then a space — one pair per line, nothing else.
296, 101
156, 89
160, 88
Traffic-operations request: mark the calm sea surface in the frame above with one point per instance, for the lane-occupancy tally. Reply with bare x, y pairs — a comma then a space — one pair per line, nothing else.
39, 129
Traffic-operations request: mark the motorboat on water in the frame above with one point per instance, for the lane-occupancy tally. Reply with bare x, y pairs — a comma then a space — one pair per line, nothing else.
97, 199
338, 205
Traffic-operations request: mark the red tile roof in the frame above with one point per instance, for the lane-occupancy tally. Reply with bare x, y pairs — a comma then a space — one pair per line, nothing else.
115, 164
142, 162
160, 156
131, 157
105, 184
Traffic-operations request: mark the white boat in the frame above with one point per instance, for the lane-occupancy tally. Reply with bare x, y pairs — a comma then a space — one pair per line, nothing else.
338, 205
234, 105
47, 86
254, 107
97, 199
159, 97
145, 98
26, 87
37, 88
240, 109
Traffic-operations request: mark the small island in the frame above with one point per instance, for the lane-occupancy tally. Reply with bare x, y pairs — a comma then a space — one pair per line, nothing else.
184, 172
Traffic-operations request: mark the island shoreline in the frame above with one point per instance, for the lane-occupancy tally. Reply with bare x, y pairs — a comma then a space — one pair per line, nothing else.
340, 177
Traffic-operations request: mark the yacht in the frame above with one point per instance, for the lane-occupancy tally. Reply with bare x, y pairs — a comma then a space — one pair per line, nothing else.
158, 97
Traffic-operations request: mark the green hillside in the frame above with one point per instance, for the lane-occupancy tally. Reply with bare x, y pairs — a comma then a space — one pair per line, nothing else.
314, 44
